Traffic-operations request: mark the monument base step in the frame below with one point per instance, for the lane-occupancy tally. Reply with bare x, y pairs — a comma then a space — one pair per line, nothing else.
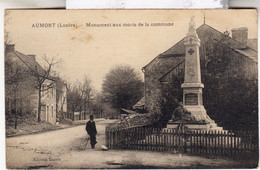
192, 126
195, 126
214, 126
217, 128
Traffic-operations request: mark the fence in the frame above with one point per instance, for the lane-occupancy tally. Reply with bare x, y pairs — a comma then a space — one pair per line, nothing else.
229, 143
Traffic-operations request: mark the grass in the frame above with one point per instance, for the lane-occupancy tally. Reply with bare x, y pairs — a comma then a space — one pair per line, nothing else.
26, 124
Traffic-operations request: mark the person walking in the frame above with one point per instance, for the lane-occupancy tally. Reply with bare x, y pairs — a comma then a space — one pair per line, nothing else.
92, 131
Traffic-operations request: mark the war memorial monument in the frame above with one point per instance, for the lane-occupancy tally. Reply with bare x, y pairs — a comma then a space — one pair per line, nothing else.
192, 87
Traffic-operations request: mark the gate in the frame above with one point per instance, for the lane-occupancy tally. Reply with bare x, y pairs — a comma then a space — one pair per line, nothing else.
183, 135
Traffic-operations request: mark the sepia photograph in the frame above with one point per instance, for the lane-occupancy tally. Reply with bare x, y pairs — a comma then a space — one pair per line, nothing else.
131, 89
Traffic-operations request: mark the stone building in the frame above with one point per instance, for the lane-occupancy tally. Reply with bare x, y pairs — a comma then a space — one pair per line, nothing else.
26, 95
242, 61
61, 97
48, 101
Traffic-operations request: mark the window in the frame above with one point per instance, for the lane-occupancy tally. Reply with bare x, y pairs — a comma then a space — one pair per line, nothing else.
52, 111
47, 114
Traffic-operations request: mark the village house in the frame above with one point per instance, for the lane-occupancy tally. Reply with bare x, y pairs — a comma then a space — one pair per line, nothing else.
61, 98
242, 62
27, 95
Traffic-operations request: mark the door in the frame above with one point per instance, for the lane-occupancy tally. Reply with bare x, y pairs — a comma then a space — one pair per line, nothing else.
43, 112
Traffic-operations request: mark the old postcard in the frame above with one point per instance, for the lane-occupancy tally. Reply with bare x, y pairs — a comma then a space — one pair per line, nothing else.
131, 89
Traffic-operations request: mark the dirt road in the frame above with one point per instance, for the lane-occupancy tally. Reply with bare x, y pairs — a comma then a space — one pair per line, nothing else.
65, 149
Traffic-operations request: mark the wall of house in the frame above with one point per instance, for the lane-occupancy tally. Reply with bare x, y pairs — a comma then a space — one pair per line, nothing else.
24, 91
153, 72
24, 88
49, 103
61, 97
243, 67
34, 103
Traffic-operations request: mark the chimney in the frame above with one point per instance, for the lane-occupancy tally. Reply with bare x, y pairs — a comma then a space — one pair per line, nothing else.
241, 35
32, 56
9, 48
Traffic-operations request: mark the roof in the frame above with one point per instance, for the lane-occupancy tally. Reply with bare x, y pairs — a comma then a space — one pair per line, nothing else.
250, 53
239, 29
205, 32
140, 103
252, 43
129, 111
29, 61
164, 75
59, 81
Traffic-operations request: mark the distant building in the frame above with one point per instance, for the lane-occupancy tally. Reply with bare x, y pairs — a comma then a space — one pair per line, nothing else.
27, 99
48, 108
61, 98
76, 115
157, 73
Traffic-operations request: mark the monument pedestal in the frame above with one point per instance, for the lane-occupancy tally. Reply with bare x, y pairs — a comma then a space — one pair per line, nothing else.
192, 101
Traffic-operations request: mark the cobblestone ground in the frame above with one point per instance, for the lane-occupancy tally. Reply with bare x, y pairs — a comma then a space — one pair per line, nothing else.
65, 149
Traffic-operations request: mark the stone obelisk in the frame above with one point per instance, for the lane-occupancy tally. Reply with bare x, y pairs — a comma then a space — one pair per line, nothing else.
192, 86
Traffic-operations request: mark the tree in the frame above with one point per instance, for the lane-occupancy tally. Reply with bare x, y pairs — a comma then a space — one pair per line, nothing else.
7, 38
122, 87
230, 98
98, 105
15, 86
43, 78
171, 95
74, 98
79, 97
87, 93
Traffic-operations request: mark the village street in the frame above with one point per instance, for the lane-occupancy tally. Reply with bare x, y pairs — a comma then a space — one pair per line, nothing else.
65, 149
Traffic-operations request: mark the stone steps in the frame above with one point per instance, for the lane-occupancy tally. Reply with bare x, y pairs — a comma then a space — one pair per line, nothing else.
214, 126
217, 128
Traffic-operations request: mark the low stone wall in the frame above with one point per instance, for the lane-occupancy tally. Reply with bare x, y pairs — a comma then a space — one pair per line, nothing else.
137, 120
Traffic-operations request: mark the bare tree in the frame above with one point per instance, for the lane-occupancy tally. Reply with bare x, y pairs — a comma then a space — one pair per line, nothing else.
98, 105
79, 97
74, 98
7, 38
43, 76
86, 94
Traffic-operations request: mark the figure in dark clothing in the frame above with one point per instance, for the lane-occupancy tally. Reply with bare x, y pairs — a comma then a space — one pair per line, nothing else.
92, 131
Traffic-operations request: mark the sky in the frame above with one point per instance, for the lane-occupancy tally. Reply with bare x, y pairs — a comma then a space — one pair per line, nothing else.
93, 51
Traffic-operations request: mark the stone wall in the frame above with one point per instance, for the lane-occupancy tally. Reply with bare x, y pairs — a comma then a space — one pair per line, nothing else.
137, 120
